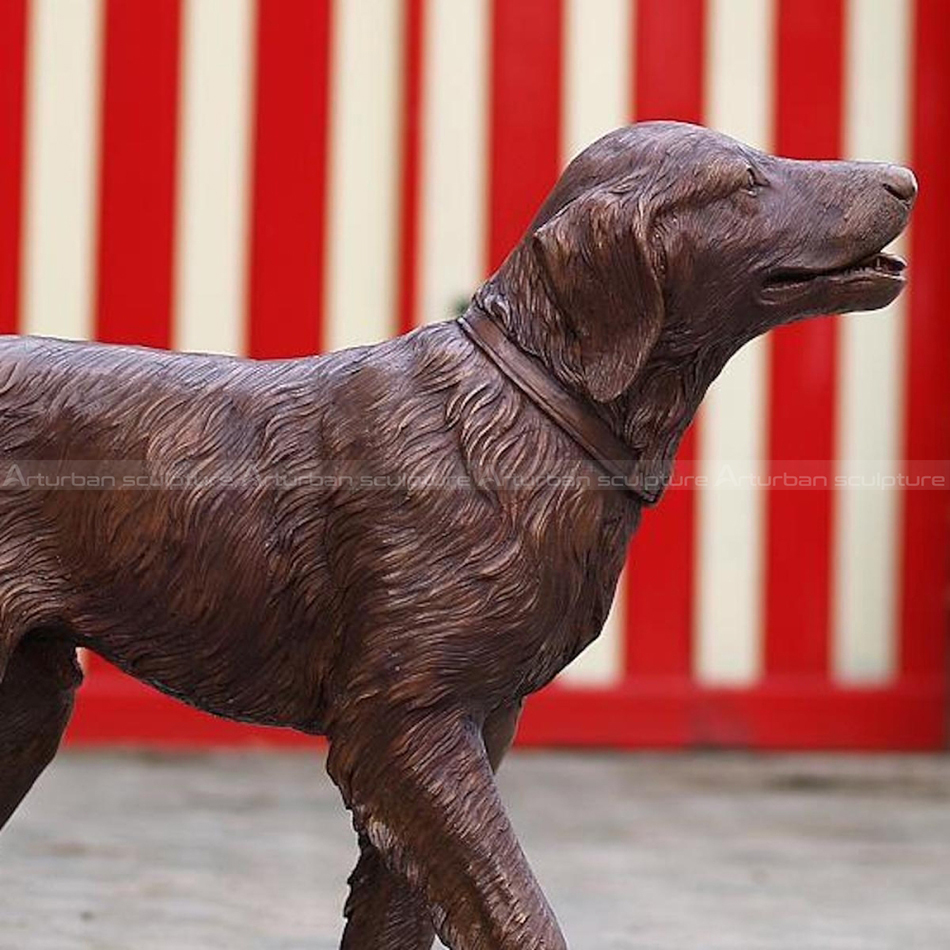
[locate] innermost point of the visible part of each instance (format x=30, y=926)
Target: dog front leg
x=424, y=797
x=382, y=911
x=499, y=730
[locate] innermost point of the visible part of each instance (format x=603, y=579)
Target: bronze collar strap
x=587, y=429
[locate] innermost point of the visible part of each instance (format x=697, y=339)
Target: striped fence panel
x=277, y=177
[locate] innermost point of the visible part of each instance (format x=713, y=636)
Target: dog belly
x=212, y=612
x=232, y=644
x=236, y=675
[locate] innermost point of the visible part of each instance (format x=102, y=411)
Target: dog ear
x=595, y=260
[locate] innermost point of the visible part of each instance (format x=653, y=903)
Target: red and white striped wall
x=275, y=177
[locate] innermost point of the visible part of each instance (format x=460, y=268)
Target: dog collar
x=565, y=409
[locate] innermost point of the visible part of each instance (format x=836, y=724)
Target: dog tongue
x=888, y=263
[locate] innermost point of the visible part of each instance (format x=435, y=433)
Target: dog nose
x=901, y=183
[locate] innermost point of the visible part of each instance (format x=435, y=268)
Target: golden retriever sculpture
x=394, y=545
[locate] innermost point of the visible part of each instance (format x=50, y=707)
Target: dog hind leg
x=36, y=699
x=382, y=911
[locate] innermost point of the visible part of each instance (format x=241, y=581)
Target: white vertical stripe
x=364, y=171
x=602, y=663
x=733, y=427
x=871, y=366
x=213, y=176
x=451, y=261
x=62, y=135
x=597, y=82
x=597, y=70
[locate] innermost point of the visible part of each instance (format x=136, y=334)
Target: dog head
x=666, y=242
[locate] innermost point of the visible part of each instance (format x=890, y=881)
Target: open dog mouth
x=879, y=266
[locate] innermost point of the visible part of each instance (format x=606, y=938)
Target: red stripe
x=137, y=183
x=286, y=279
x=525, y=132
x=669, y=85
x=670, y=37
x=12, y=87
x=414, y=39
x=809, y=94
x=799, y=714
x=926, y=542
x=796, y=713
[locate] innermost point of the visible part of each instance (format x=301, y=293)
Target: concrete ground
x=647, y=852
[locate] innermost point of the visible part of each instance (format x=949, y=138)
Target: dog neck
x=571, y=414
x=649, y=419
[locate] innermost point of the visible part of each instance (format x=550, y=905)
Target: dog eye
x=753, y=181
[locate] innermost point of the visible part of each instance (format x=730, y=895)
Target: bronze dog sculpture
x=444, y=516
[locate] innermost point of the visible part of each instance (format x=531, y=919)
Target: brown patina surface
x=394, y=545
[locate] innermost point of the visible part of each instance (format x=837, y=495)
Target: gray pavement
x=647, y=852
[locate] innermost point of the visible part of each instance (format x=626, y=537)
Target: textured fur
x=406, y=619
